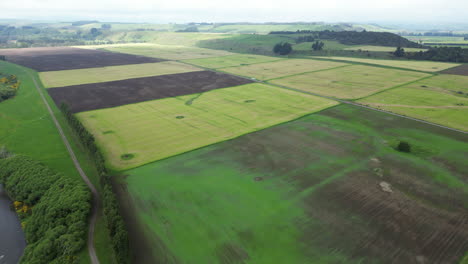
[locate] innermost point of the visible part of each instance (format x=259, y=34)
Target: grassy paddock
x=381, y=49
x=442, y=99
x=231, y=61
x=158, y=129
x=308, y=191
x=351, y=82
x=427, y=66
x=270, y=70
x=112, y=73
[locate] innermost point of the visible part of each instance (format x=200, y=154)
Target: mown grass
x=442, y=99
x=271, y=70
x=427, y=66
x=155, y=130
x=231, y=61
x=349, y=82
x=260, y=197
x=112, y=73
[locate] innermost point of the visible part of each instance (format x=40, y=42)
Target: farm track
x=338, y=100
x=95, y=198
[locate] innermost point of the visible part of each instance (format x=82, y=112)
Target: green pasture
x=382, y=49
x=278, y=69
x=442, y=99
x=279, y=195
x=231, y=61
x=329, y=45
x=427, y=66
x=159, y=129
x=112, y=73
x=350, y=82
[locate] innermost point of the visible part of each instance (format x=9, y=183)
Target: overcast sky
x=422, y=11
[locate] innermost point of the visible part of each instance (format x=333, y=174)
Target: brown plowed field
x=460, y=70
x=64, y=58
x=110, y=94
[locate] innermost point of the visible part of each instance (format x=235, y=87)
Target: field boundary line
x=95, y=195
x=279, y=59
x=307, y=72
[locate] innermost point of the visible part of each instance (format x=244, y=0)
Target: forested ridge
x=53, y=209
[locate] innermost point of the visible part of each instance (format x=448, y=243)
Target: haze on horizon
x=182, y=11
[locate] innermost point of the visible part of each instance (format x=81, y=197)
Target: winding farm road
x=95, y=199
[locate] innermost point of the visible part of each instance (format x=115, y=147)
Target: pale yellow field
x=151, y=130
x=350, y=82
x=112, y=73
x=170, y=52
x=277, y=69
x=382, y=48
x=428, y=66
x=231, y=61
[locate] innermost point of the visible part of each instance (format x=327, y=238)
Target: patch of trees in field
x=9, y=85
x=53, y=209
x=282, y=48
x=446, y=54
x=114, y=220
x=356, y=38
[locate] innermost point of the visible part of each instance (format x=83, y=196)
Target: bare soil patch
x=64, y=58
x=459, y=70
x=111, y=94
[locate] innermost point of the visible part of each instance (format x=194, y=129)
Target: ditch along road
x=332, y=98
x=95, y=198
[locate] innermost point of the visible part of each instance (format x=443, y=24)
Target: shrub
x=404, y=147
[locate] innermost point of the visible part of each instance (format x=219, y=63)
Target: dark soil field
x=110, y=94
x=459, y=70
x=64, y=58
x=327, y=188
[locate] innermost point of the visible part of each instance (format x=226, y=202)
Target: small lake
x=12, y=241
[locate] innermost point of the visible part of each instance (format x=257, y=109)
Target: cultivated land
x=382, y=49
x=460, y=70
x=93, y=96
x=169, y=52
x=231, y=61
x=158, y=129
x=112, y=73
x=442, y=99
x=427, y=66
x=278, y=69
x=326, y=188
x=350, y=82
x=57, y=59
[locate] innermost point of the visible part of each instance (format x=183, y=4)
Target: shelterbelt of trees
x=53, y=209
x=447, y=54
x=356, y=37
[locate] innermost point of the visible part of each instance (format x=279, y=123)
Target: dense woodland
x=354, y=37
x=53, y=209
x=448, y=54
x=9, y=85
x=114, y=220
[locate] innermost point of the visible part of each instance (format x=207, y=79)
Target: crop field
x=112, y=73
x=169, y=52
x=350, y=82
x=57, y=59
x=460, y=70
x=93, y=96
x=158, y=129
x=231, y=61
x=427, y=66
x=278, y=69
x=382, y=49
x=442, y=99
x=326, y=188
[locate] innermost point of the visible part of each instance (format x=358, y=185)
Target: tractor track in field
x=95, y=195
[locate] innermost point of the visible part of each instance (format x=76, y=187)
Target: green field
x=231, y=61
x=427, y=66
x=307, y=191
x=382, y=49
x=350, y=82
x=329, y=45
x=169, y=52
x=442, y=99
x=278, y=69
x=112, y=73
x=158, y=129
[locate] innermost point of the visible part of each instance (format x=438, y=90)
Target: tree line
x=446, y=54
x=356, y=37
x=114, y=220
x=53, y=209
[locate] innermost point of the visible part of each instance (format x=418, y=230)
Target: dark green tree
x=404, y=147
x=282, y=48
x=318, y=45
x=399, y=52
